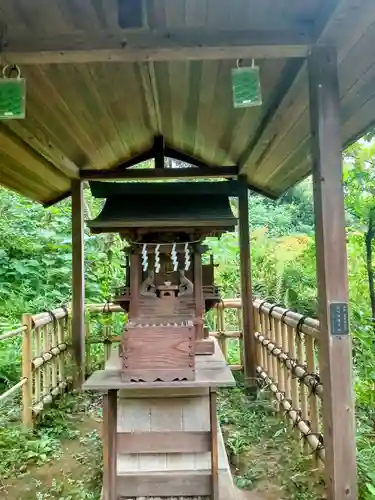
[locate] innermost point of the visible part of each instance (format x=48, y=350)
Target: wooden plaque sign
x=339, y=318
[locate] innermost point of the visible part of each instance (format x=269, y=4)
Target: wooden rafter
x=135, y=160
x=157, y=45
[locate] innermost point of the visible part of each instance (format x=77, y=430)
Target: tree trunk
x=370, y=271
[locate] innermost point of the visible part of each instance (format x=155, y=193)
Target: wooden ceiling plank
x=291, y=119
x=361, y=122
x=186, y=44
x=52, y=201
x=44, y=146
x=148, y=95
x=284, y=108
x=33, y=163
x=102, y=121
x=16, y=184
x=123, y=92
x=79, y=99
x=297, y=174
x=25, y=179
x=287, y=146
x=52, y=108
x=290, y=162
x=266, y=152
x=164, y=173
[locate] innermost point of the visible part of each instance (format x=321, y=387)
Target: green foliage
x=35, y=258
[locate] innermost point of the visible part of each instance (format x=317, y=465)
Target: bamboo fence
x=44, y=344
x=287, y=358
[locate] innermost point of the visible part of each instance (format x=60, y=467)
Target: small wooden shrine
x=167, y=288
x=160, y=432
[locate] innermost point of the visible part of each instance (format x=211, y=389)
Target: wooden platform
x=163, y=433
x=211, y=371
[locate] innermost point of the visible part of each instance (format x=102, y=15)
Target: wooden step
x=164, y=484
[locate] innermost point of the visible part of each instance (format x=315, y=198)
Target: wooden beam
x=335, y=340
x=78, y=285
x=160, y=45
x=160, y=173
x=135, y=160
x=159, y=152
x=175, y=154
x=249, y=342
x=221, y=188
x=110, y=446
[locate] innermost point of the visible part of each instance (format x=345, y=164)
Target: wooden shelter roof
x=103, y=81
x=152, y=211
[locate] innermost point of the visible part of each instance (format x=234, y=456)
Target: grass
x=60, y=460
x=263, y=451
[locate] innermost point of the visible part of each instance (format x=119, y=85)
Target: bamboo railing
x=44, y=347
x=288, y=365
x=287, y=358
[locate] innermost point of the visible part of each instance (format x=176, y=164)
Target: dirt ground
x=63, y=478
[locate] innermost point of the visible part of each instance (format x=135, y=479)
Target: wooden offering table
x=161, y=439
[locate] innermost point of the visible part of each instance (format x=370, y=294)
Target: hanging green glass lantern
x=246, y=86
x=12, y=94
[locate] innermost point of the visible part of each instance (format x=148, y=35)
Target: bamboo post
x=280, y=367
x=286, y=348
x=61, y=356
x=38, y=378
x=292, y=354
x=267, y=356
x=302, y=401
x=272, y=337
x=55, y=359
x=27, y=389
x=222, y=338
x=46, y=367
x=311, y=368
x=240, y=340
x=107, y=344
x=300, y=339
x=260, y=350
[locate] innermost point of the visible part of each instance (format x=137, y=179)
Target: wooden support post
x=159, y=152
x=27, y=389
x=78, y=286
x=249, y=342
x=214, y=447
x=198, y=293
x=335, y=342
x=109, y=445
